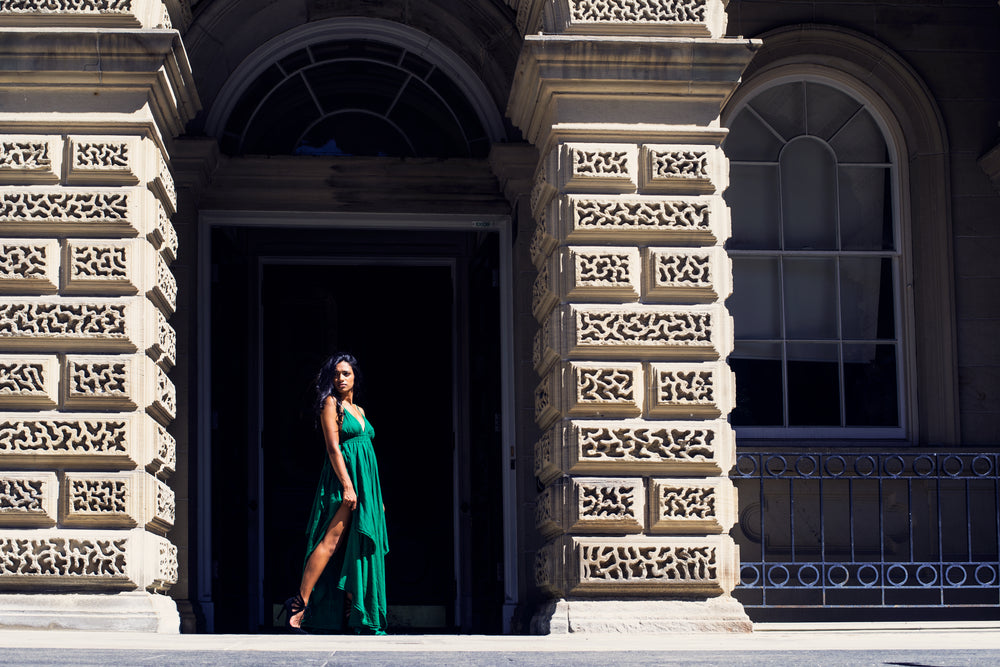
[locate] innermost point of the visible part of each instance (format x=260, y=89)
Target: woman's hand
x=350, y=498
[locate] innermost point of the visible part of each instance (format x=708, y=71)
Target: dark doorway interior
x=419, y=310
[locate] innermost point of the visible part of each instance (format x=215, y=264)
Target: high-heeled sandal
x=294, y=605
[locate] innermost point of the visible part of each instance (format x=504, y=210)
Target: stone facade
x=87, y=242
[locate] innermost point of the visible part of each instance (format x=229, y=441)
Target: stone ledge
x=122, y=612
x=722, y=614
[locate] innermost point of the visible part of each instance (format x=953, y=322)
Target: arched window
x=816, y=252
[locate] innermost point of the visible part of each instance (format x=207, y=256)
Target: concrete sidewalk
x=967, y=643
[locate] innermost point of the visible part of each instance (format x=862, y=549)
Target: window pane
x=865, y=209
x=813, y=385
x=759, y=400
x=810, y=298
x=870, y=385
x=754, y=303
x=861, y=140
x=753, y=199
x=808, y=195
x=866, y=298
x=827, y=109
x=749, y=139
x=783, y=108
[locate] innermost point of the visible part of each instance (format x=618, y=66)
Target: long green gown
x=357, y=567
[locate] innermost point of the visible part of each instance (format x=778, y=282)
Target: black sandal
x=294, y=605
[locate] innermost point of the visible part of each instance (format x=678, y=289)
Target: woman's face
x=343, y=378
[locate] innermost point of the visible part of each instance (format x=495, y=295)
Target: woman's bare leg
x=321, y=556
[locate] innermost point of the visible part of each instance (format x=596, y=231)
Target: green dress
x=357, y=567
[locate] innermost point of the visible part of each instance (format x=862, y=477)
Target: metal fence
x=858, y=528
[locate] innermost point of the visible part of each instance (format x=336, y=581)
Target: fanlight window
x=815, y=263
x=354, y=97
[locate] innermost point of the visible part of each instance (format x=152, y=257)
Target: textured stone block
x=686, y=506
x=591, y=505
x=677, y=18
x=644, y=447
x=102, y=267
x=690, y=390
x=547, y=401
x=650, y=332
x=77, y=13
x=593, y=167
x=543, y=293
x=683, y=169
x=543, y=240
x=68, y=559
x=117, y=382
x=89, y=441
x=682, y=275
x=600, y=273
x=29, y=381
x=547, y=461
x=103, y=160
x=641, y=220
x=128, y=499
x=46, y=211
x=29, y=266
x=603, y=389
x=638, y=566
x=30, y=158
x=544, y=347
x=28, y=498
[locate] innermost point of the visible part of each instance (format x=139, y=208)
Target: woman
x=343, y=581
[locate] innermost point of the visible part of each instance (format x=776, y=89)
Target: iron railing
x=859, y=528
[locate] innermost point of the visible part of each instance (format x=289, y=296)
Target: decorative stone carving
x=546, y=577
x=104, y=267
x=646, y=447
x=691, y=505
x=121, y=382
x=29, y=266
x=684, y=169
x=601, y=273
x=28, y=499
x=542, y=192
x=70, y=211
x=28, y=381
x=679, y=332
x=30, y=158
x=86, y=440
x=543, y=353
x=133, y=498
x=546, y=465
x=606, y=389
x=163, y=236
x=690, y=220
x=543, y=298
x=546, y=402
x=641, y=566
x=75, y=13
x=164, y=349
x=681, y=275
x=164, y=290
x=690, y=390
x=542, y=242
x=162, y=184
x=105, y=559
x=102, y=160
x=590, y=505
x=667, y=18
x=593, y=167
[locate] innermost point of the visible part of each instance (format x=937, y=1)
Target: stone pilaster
x=91, y=96
x=622, y=100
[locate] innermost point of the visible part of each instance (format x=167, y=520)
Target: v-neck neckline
x=361, y=422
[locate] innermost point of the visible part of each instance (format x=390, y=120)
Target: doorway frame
x=208, y=220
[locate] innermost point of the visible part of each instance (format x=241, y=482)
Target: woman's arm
x=331, y=434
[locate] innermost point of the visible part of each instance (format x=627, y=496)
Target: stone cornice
x=44, y=71
x=588, y=73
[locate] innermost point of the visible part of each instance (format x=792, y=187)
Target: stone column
x=91, y=95
x=622, y=100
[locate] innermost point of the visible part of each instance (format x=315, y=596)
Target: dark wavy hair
x=324, y=383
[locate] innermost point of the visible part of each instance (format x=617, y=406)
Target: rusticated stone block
x=45, y=211
x=91, y=559
x=544, y=346
x=543, y=240
x=686, y=506
x=121, y=382
x=89, y=441
x=543, y=295
x=677, y=18
x=651, y=332
x=683, y=169
x=546, y=461
x=103, y=160
x=591, y=505
x=644, y=447
x=29, y=266
x=28, y=498
x=593, y=167
x=103, y=267
x=129, y=499
x=640, y=566
x=29, y=381
x=603, y=390
x=547, y=401
x=679, y=220
x=91, y=13
x=30, y=158
x=600, y=273
x=124, y=324
x=686, y=390
x=678, y=275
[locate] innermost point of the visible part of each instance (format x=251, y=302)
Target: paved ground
x=899, y=644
